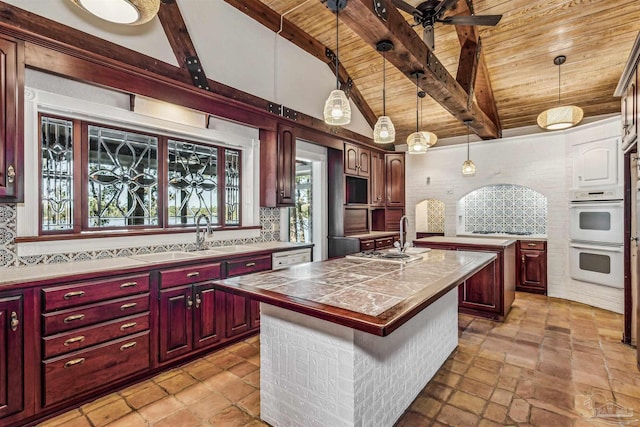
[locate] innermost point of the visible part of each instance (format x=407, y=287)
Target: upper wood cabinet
x=11, y=119
x=277, y=167
x=394, y=171
x=356, y=160
x=11, y=361
x=376, y=181
x=629, y=113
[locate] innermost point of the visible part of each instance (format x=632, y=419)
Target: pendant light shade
x=129, y=12
x=384, y=132
x=468, y=167
x=561, y=117
x=337, y=110
x=416, y=142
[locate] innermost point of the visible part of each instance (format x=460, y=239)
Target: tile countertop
x=369, y=295
x=480, y=241
x=537, y=237
x=43, y=272
x=373, y=234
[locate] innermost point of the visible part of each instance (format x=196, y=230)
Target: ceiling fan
x=429, y=12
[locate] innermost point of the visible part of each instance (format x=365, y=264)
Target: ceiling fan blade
x=429, y=38
x=405, y=7
x=487, y=20
x=443, y=6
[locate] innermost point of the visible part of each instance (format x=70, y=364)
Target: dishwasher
x=286, y=259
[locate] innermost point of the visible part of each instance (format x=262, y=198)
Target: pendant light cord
x=337, y=69
x=384, y=83
x=559, y=83
x=417, y=98
x=468, y=141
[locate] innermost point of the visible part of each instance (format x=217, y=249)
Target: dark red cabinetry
x=12, y=392
x=357, y=160
x=531, y=267
x=277, y=166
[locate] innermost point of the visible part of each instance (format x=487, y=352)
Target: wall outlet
x=449, y=190
x=275, y=226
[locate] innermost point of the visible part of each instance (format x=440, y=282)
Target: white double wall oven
x=596, y=214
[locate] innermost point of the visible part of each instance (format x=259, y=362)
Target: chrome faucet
x=403, y=245
x=200, y=239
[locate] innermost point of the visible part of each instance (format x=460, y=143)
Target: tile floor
x=549, y=364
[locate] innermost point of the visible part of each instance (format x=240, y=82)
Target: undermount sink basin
x=226, y=249
x=412, y=250
x=164, y=256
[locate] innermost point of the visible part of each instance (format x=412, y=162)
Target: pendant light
x=468, y=167
x=384, y=132
x=416, y=142
x=337, y=110
x=129, y=12
x=561, y=117
x=430, y=137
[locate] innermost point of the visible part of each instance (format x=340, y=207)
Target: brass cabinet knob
x=11, y=174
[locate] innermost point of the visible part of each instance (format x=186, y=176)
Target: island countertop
x=479, y=241
x=369, y=295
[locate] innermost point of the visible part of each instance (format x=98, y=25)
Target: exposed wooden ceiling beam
x=468, y=68
x=57, y=48
x=481, y=88
x=411, y=54
x=260, y=12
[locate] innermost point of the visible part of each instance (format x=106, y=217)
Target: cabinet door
x=208, y=315
x=480, y=292
x=11, y=356
x=630, y=111
x=377, y=179
x=255, y=314
x=533, y=269
x=11, y=128
x=176, y=320
x=394, y=166
x=351, y=159
x=286, y=170
x=364, y=160
x=596, y=163
x=238, y=314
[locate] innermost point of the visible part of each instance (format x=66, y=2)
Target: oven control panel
x=608, y=194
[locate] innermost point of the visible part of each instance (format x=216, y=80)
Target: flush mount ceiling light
x=337, y=110
x=384, y=132
x=416, y=142
x=129, y=12
x=468, y=167
x=563, y=116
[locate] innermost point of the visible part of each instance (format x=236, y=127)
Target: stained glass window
x=57, y=174
x=232, y=187
x=123, y=178
x=193, y=182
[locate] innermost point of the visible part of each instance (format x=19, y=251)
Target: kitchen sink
x=411, y=251
x=164, y=256
x=227, y=249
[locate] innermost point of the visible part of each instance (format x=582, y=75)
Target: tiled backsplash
x=9, y=254
x=435, y=212
x=505, y=208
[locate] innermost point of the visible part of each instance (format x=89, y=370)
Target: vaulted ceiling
x=595, y=35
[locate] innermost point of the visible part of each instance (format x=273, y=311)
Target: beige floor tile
x=194, y=393
x=183, y=418
x=64, y=419
x=134, y=419
x=176, y=383
x=251, y=404
x=108, y=413
x=140, y=397
x=230, y=417
x=161, y=409
x=210, y=406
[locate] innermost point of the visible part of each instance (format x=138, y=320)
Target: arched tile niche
x=430, y=216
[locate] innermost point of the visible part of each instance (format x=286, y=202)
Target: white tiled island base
x=317, y=373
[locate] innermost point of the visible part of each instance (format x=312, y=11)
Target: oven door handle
x=601, y=205
x=598, y=248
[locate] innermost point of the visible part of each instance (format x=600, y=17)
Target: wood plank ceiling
x=595, y=35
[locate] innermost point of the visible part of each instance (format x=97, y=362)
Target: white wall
x=542, y=162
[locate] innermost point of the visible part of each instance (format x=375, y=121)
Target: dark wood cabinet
x=176, y=322
x=254, y=315
x=531, y=267
x=277, y=167
x=491, y=291
x=357, y=160
x=238, y=310
x=377, y=180
x=12, y=392
x=378, y=241
x=629, y=106
x=394, y=179
x=11, y=119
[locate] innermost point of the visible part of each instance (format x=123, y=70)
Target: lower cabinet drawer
x=188, y=275
x=248, y=265
x=66, y=320
x=82, y=371
x=384, y=243
x=79, y=339
x=367, y=245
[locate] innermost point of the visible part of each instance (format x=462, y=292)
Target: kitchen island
x=491, y=291
x=351, y=342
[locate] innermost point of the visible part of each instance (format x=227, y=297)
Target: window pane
x=123, y=178
x=57, y=174
x=300, y=220
x=232, y=187
x=193, y=182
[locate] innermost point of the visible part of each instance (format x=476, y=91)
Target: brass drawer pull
x=128, y=285
x=128, y=325
x=70, y=295
x=193, y=274
x=70, y=363
x=250, y=264
x=14, y=321
x=126, y=306
x=11, y=174
x=73, y=318
x=74, y=340
x=531, y=244
x=128, y=346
